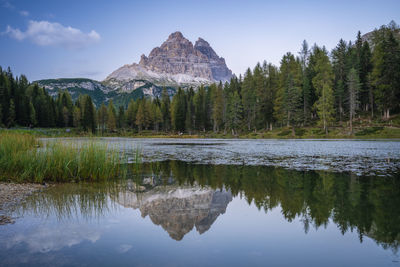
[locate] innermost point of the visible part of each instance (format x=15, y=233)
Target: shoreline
x=13, y=194
x=361, y=132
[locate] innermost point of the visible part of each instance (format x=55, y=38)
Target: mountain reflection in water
x=178, y=210
x=182, y=197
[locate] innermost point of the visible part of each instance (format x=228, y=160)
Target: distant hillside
x=369, y=36
x=102, y=92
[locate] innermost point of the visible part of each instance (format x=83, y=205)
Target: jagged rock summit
x=177, y=62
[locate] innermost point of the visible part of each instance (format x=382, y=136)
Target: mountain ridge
x=175, y=63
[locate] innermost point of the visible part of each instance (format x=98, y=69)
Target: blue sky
x=54, y=39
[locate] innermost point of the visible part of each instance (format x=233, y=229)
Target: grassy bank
x=367, y=132
x=24, y=158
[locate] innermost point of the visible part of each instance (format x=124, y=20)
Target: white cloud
x=24, y=13
x=46, y=33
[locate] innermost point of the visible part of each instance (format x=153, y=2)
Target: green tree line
x=315, y=87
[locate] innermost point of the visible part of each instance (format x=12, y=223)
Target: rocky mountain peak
x=201, y=42
x=204, y=47
x=175, y=35
x=177, y=62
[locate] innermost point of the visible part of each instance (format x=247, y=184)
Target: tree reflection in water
x=181, y=196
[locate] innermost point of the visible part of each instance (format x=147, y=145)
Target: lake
x=220, y=202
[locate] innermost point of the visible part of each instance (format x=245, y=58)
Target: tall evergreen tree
x=131, y=113
x=102, y=117
x=339, y=60
x=272, y=84
x=354, y=88
x=199, y=100
x=365, y=69
x=32, y=115
x=166, y=110
x=1, y=116
x=11, y=114
x=305, y=86
x=111, y=117
x=288, y=105
x=234, y=110
x=77, y=117
x=157, y=117
x=178, y=111
x=218, y=108
x=386, y=70
x=89, y=120
x=323, y=84
x=249, y=100
x=189, y=120
x=141, y=116
x=121, y=117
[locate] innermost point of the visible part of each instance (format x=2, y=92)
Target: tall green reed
x=21, y=159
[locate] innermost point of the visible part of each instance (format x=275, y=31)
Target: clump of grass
x=21, y=159
x=299, y=131
x=284, y=133
x=369, y=131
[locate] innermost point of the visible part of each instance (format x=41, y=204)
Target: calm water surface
x=182, y=213
x=362, y=157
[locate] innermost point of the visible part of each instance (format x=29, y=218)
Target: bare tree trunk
x=340, y=110
x=351, y=122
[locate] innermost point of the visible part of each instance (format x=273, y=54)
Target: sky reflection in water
x=179, y=214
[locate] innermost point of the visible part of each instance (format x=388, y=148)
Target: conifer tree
x=32, y=115
x=234, y=110
x=272, y=82
x=189, y=111
x=199, y=100
x=140, y=116
x=386, y=70
x=305, y=86
x=218, y=108
x=288, y=105
x=89, y=120
x=178, y=111
x=1, y=116
x=157, y=117
x=111, y=117
x=354, y=88
x=131, y=113
x=261, y=96
x=76, y=117
x=166, y=110
x=11, y=114
x=365, y=70
x=339, y=60
x=121, y=117
x=102, y=117
x=248, y=100
x=323, y=84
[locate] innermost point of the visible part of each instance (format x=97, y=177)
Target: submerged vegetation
x=24, y=158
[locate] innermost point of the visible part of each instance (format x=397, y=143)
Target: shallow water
x=362, y=157
x=176, y=213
